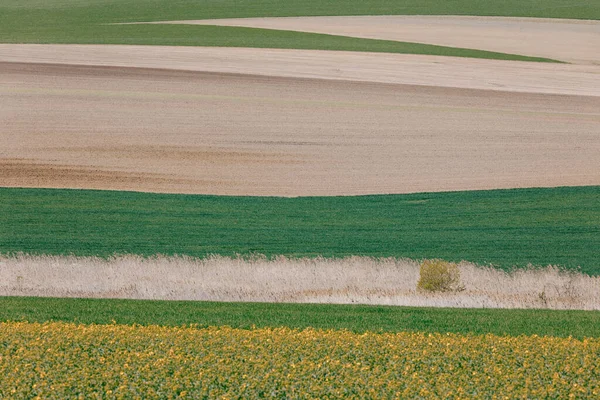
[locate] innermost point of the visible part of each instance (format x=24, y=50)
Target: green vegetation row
x=505, y=228
x=89, y=22
x=355, y=318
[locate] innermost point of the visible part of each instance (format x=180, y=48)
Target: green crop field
x=70, y=21
x=356, y=318
x=505, y=228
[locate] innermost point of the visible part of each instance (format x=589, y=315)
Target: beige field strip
x=65, y=126
x=352, y=280
x=573, y=41
x=407, y=69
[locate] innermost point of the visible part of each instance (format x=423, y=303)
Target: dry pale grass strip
x=350, y=280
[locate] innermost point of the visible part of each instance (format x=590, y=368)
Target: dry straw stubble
x=362, y=280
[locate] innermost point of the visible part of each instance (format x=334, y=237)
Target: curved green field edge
x=356, y=318
x=89, y=22
x=504, y=228
x=224, y=36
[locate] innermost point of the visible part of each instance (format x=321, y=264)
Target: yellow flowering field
x=65, y=360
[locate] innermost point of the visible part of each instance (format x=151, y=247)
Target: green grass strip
x=88, y=11
x=357, y=318
x=559, y=226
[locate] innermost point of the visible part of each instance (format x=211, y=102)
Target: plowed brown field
x=167, y=130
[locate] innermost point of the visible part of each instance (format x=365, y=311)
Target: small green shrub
x=439, y=276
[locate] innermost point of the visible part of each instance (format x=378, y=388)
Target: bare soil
x=406, y=69
x=240, y=134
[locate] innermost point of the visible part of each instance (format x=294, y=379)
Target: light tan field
x=405, y=69
x=351, y=280
x=244, y=134
x=573, y=41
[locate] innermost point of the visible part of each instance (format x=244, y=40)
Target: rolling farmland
x=266, y=156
